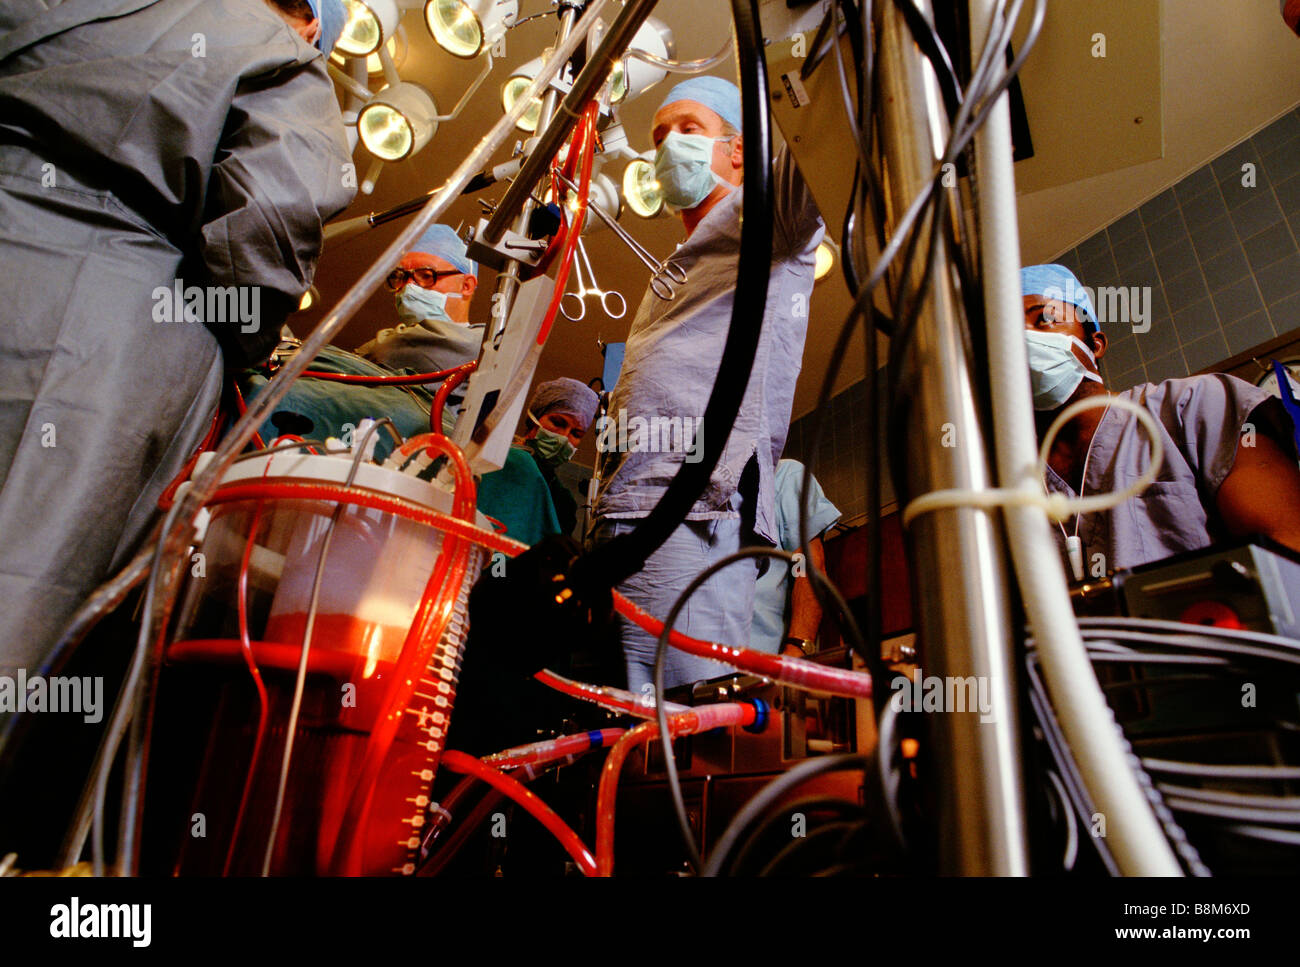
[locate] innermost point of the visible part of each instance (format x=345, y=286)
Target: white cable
x=1058, y=507
x=1134, y=834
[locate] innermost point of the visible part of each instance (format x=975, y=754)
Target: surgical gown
x=146, y=146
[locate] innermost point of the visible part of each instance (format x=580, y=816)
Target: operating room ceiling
x=1228, y=69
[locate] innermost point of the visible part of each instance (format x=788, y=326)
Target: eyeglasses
x=425, y=278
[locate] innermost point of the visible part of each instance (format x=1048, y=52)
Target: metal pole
x=584, y=89
x=508, y=280
x=958, y=556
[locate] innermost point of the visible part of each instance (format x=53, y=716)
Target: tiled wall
x=841, y=463
x=1223, y=264
x=1221, y=258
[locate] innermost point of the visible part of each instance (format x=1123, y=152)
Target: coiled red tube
x=683, y=723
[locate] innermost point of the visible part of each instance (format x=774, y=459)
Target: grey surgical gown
x=141, y=142
x=1202, y=421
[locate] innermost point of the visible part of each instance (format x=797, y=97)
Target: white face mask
x=1055, y=372
x=684, y=168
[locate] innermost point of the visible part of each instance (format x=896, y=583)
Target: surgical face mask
x=1055, y=372
x=684, y=168
x=416, y=303
x=550, y=447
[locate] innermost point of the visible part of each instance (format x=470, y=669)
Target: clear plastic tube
x=779, y=668
x=540, y=753
x=683, y=723
x=529, y=800
x=682, y=66
x=606, y=696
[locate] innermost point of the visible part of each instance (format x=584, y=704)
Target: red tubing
x=394, y=380
x=468, y=765
x=683, y=723
x=242, y=407
x=456, y=377
x=431, y=617
x=294, y=490
x=292, y=438
x=788, y=671
x=584, y=142
x=606, y=696
x=246, y=647
x=168, y=496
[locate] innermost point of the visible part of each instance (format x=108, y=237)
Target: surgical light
x=632, y=77
x=642, y=190
x=465, y=27
x=602, y=193
x=396, y=47
x=825, y=261
x=368, y=25
x=514, y=88
x=398, y=121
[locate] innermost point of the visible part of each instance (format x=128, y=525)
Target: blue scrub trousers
x=719, y=610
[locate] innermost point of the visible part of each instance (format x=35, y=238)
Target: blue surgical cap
x=567, y=396
x=1058, y=282
x=442, y=241
x=719, y=96
x=332, y=19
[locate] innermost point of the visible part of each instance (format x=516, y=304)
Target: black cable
x=806, y=805
x=612, y=563
x=661, y=651
x=928, y=40
x=773, y=791
x=837, y=831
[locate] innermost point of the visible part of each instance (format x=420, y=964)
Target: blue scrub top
x=772, y=592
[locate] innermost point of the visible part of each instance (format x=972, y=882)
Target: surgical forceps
x=609, y=298
x=665, y=275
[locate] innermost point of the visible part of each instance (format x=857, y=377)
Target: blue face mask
x=1055, y=372
x=684, y=168
x=416, y=304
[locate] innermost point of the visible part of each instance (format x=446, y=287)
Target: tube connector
x=761, y=712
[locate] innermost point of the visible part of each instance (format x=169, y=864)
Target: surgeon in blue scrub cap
x=433, y=287
x=671, y=362
x=699, y=152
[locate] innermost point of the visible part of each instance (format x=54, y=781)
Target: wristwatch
x=806, y=645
